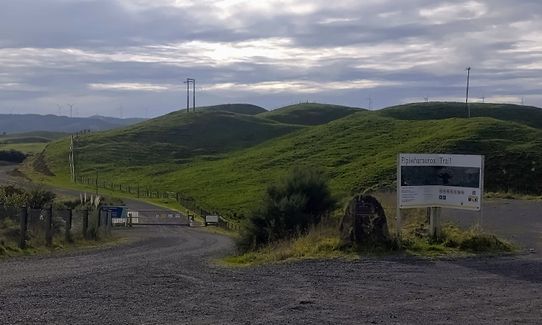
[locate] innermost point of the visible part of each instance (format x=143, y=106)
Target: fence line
x=153, y=193
x=36, y=227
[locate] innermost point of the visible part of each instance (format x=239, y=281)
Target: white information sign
x=211, y=219
x=439, y=180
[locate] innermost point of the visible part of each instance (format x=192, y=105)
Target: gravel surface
x=168, y=276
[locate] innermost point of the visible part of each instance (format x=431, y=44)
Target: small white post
x=434, y=224
x=482, y=189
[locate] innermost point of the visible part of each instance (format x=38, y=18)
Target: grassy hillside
x=225, y=160
x=19, y=123
x=36, y=136
x=309, y=113
x=246, y=109
x=528, y=115
x=360, y=152
x=30, y=142
x=176, y=138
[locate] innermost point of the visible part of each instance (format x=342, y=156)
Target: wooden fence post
x=24, y=227
x=67, y=235
x=85, y=223
x=99, y=224
x=99, y=212
x=49, y=233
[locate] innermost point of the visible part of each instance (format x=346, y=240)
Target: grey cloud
x=108, y=27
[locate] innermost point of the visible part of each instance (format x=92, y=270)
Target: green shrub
x=289, y=208
x=36, y=198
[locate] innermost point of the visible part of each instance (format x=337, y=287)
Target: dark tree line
x=12, y=156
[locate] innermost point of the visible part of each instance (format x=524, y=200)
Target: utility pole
x=71, y=157
x=467, y=96
x=193, y=95
x=71, y=110
x=188, y=82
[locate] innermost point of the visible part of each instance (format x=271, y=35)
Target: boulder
x=364, y=223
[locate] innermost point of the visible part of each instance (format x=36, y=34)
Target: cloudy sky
x=130, y=57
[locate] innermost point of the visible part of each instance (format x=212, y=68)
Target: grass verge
x=323, y=242
x=453, y=241
x=10, y=249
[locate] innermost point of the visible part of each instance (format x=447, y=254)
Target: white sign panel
x=211, y=219
x=434, y=180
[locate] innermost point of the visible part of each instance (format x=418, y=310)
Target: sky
x=129, y=58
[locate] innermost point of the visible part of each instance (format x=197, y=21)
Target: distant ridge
x=21, y=123
x=247, y=109
x=528, y=115
x=310, y=113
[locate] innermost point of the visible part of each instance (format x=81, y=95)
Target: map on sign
x=433, y=180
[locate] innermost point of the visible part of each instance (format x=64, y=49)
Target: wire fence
x=186, y=201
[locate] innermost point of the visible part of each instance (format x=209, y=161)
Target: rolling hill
x=224, y=160
x=247, y=109
x=20, y=123
x=29, y=142
x=528, y=115
x=176, y=138
x=309, y=113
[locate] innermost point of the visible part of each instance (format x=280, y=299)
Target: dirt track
x=166, y=276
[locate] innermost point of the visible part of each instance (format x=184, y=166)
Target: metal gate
x=156, y=218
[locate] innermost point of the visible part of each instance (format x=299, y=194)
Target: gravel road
x=167, y=275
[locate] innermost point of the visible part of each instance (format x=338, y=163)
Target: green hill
x=224, y=160
x=527, y=115
x=32, y=137
x=19, y=123
x=310, y=113
x=360, y=153
x=246, y=109
x=29, y=142
x=176, y=138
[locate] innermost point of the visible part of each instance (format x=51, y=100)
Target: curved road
x=167, y=275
